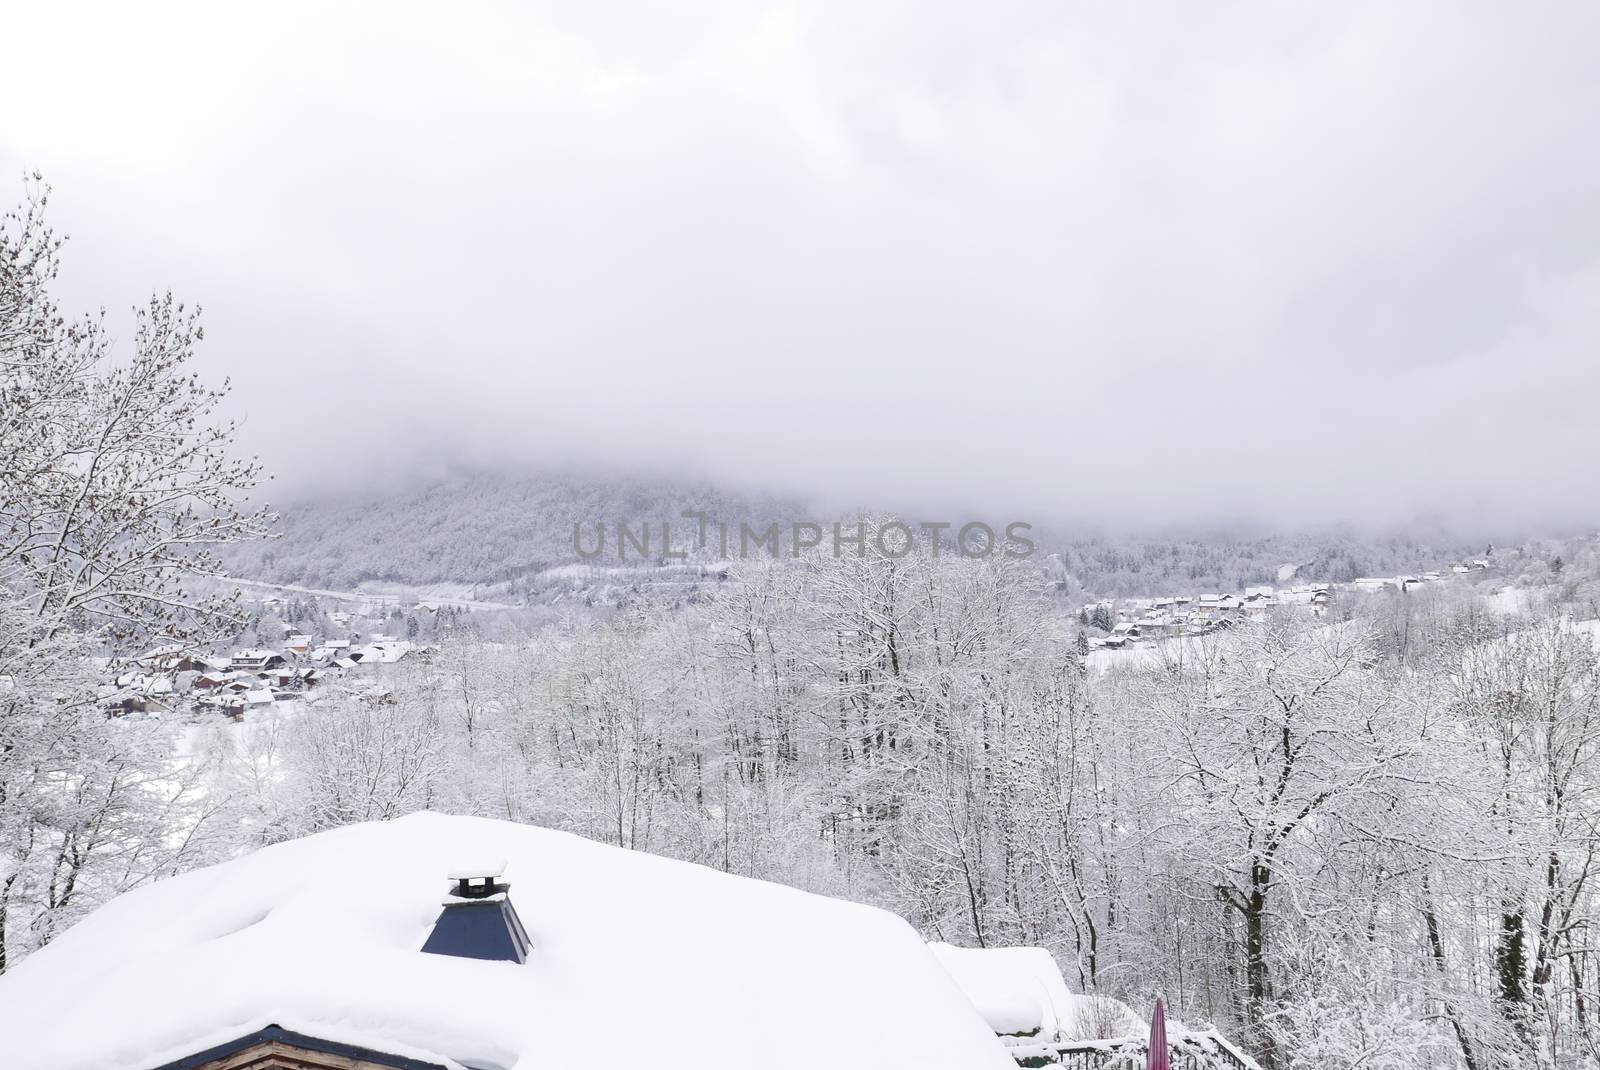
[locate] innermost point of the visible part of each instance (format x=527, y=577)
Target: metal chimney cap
x=478, y=869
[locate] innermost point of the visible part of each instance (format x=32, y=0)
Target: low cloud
x=1289, y=264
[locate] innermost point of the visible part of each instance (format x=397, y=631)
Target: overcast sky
x=1151, y=263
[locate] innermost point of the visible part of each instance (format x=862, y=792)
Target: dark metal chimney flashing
x=478, y=920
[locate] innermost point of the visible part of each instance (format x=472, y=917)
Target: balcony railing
x=1187, y=1050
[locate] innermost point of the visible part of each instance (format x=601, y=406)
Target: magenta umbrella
x=1156, y=1057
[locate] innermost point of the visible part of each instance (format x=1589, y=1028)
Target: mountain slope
x=497, y=533
x=485, y=529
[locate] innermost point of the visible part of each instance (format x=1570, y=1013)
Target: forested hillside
x=479, y=529
x=501, y=530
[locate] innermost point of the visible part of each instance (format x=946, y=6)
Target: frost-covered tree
x=1267, y=739
x=115, y=482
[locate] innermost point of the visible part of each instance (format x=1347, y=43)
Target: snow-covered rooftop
x=1020, y=989
x=634, y=958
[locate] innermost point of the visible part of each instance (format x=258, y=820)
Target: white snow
x=478, y=869
x=635, y=958
x=1018, y=989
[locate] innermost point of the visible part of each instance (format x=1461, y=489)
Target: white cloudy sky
x=1153, y=262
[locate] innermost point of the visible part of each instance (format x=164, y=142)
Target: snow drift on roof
x=1018, y=989
x=635, y=958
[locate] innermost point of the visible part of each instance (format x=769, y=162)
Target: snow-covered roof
x=388, y=652
x=632, y=956
x=1018, y=989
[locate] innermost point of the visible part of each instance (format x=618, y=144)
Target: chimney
x=477, y=887
x=478, y=920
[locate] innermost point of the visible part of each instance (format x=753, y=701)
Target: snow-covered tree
x=115, y=482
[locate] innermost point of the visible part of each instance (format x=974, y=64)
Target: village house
x=1158, y=626
x=257, y=660
x=208, y=681
x=1260, y=607
x=1216, y=607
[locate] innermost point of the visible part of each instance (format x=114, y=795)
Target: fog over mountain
x=511, y=537
x=1297, y=265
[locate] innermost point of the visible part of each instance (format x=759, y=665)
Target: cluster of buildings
x=176, y=679
x=1144, y=619
x=1406, y=583
x=1134, y=620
